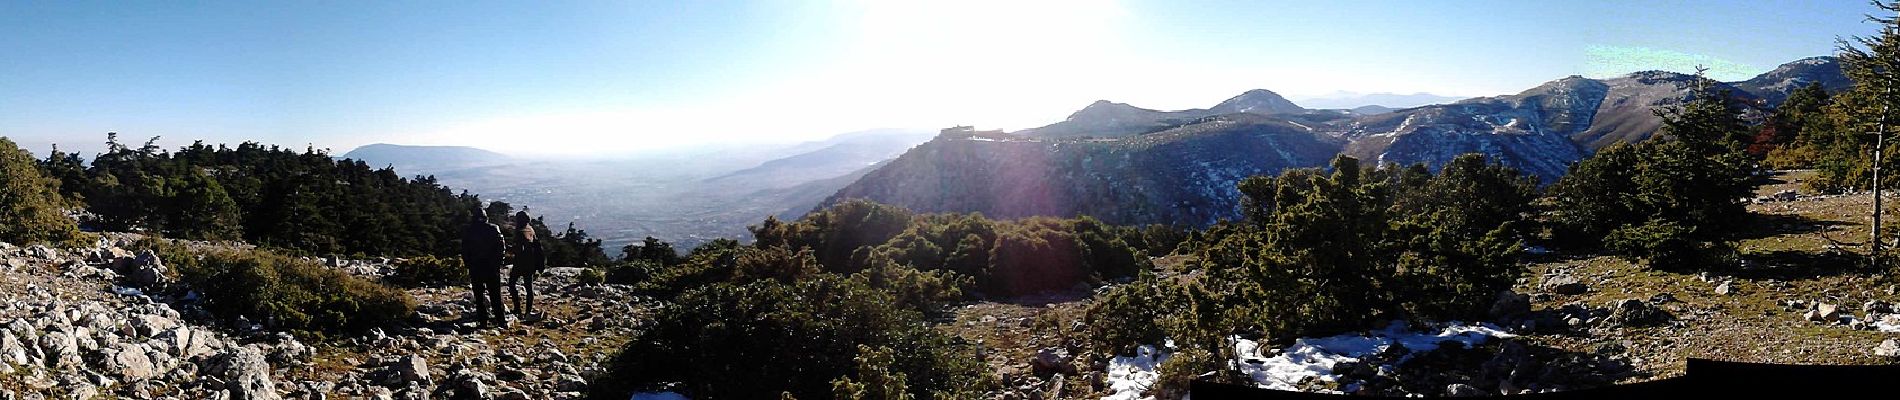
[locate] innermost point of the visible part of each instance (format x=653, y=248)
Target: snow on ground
x=1313, y=358
x=1889, y=323
x=127, y=291
x=658, y=396
x=1129, y=376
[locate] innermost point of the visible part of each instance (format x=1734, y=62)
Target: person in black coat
x=482, y=251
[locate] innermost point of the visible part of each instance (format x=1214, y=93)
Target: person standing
x=482, y=248
x=529, y=259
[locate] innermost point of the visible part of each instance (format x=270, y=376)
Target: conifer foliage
x=1672, y=201
x=1837, y=135
x=265, y=195
x=31, y=208
x=1324, y=252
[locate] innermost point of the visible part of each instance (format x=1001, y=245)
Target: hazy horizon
x=611, y=78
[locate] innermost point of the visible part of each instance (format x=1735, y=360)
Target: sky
x=561, y=78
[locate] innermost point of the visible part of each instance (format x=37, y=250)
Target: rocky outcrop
x=1774, y=86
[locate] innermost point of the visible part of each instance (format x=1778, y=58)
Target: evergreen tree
x=31, y=209
x=1672, y=201
x=304, y=200
x=651, y=249
x=1856, y=116
x=1796, y=131
x=201, y=209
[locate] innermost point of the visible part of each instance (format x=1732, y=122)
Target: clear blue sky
x=596, y=77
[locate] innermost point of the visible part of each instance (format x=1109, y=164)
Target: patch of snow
x=658, y=396
x=127, y=291
x=1313, y=358
x=1889, y=323
x=1129, y=376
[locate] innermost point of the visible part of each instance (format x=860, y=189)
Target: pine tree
x=31, y=209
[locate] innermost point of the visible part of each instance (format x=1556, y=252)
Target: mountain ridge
x=1109, y=149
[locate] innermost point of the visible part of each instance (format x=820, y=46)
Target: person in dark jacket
x=529, y=259
x=482, y=251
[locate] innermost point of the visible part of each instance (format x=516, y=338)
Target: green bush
x=429, y=271
x=592, y=276
x=287, y=294
x=930, y=292
x=1000, y=258
x=1179, y=371
x=1667, y=245
x=761, y=339
x=1670, y=201
x=875, y=379
x=1326, y=252
x=1125, y=317
x=31, y=208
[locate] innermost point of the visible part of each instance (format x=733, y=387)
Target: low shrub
x=1125, y=317
x=429, y=271
x=299, y=296
x=592, y=276
x=767, y=338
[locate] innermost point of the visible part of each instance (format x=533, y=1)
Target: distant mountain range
x=1352, y=100
x=685, y=197
x=1109, y=119
x=1131, y=165
x=408, y=158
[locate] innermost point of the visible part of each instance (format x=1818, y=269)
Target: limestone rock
x=1565, y=284
x=1888, y=348
x=1510, y=305
x=130, y=363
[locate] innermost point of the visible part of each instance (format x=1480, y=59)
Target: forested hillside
x=271, y=196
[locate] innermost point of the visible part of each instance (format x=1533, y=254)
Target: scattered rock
x=1463, y=390
x=143, y=271
x=1876, y=307
x=1786, y=195
x=1635, y=313
x=246, y=374
x=61, y=350
x=1565, y=284
x=410, y=368
x=1726, y=288
x=1051, y=361
x=1888, y=348
x=130, y=363
x=1510, y=305
x=570, y=383
x=1823, y=313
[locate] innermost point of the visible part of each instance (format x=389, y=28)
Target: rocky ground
x=76, y=327
x=1800, y=295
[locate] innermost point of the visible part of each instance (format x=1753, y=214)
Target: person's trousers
x=488, y=290
x=526, y=284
